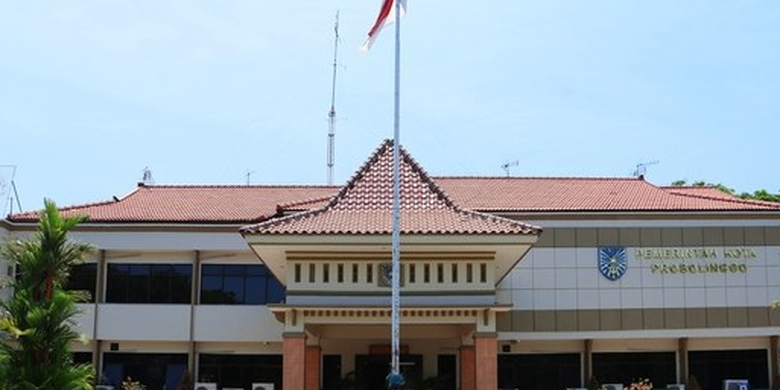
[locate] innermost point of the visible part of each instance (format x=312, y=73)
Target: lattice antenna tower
x=10, y=187
x=332, y=113
x=507, y=165
x=641, y=169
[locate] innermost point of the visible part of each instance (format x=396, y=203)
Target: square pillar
x=312, y=369
x=294, y=361
x=486, y=351
x=468, y=363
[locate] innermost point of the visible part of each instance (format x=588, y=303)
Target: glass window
x=539, y=371
x=149, y=283
x=239, y=284
x=240, y=371
x=625, y=367
x=711, y=368
x=83, y=278
x=155, y=370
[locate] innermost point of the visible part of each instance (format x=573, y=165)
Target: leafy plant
x=38, y=320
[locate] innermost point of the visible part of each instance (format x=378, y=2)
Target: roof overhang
x=273, y=249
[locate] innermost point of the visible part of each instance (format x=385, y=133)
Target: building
x=531, y=283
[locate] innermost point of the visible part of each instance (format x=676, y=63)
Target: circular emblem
x=612, y=261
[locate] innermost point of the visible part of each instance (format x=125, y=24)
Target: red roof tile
x=194, y=204
x=364, y=205
x=251, y=204
x=518, y=194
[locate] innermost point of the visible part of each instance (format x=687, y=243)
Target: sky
x=204, y=92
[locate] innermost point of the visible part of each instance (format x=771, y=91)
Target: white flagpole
x=396, y=236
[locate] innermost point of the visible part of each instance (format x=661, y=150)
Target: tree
x=763, y=195
x=38, y=320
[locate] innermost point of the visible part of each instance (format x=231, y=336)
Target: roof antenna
x=248, y=175
x=641, y=169
x=12, y=192
x=332, y=112
x=505, y=166
x=147, y=177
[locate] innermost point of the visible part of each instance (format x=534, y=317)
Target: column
x=293, y=361
x=682, y=355
x=773, y=360
x=312, y=367
x=486, y=353
x=467, y=368
x=587, y=361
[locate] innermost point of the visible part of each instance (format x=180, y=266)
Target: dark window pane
x=255, y=290
x=212, y=269
x=235, y=269
x=276, y=291
x=83, y=278
x=234, y=287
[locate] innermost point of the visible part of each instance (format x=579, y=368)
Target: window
x=326, y=273
x=240, y=371
x=539, y=371
x=369, y=273
x=412, y=275
x=483, y=273
x=354, y=273
x=155, y=370
x=83, y=277
x=340, y=273
x=297, y=273
x=469, y=273
x=440, y=273
x=312, y=273
x=711, y=368
x=426, y=273
x=454, y=273
x=625, y=367
x=239, y=284
x=149, y=283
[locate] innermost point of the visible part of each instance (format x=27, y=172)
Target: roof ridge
x=283, y=206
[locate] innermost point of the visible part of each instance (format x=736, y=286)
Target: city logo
x=612, y=261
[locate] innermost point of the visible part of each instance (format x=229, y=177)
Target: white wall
x=161, y=322
x=236, y=323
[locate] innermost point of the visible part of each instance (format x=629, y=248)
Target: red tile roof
x=494, y=194
x=194, y=204
x=251, y=204
x=364, y=204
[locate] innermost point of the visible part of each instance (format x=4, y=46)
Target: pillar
x=294, y=361
x=682, y=356
x=312, y=368
x=486, y=354
x=587, y=361
x=773, y=360
x=467, y=368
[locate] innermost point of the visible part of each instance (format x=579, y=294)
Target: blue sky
x=201, y=92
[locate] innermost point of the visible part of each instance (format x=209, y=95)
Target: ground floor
x=338, y=362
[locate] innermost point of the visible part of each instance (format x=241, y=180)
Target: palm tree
x=38, y=320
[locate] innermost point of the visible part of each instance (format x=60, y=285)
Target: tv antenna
x=147, y=179
x=248, y=176
x=507, y=165
x=12, y=192
x=332, y=113
x=641, y=169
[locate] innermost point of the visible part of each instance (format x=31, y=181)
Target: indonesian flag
x=386, y=16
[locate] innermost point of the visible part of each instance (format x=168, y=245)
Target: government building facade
x=507, y=283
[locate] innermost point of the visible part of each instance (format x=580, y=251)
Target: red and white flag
x=386, y=16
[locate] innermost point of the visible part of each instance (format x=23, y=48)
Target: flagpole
x=395, y=379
